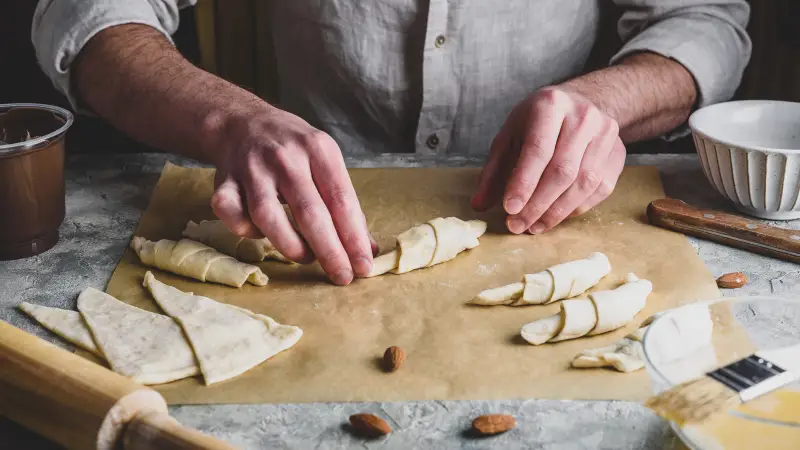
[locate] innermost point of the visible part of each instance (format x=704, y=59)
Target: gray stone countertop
x=105, y=198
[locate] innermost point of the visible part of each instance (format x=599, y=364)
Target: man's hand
x=132, y=76
x=276, y=155
x=556, y=155
x=560, y=151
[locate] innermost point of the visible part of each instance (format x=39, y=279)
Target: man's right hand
x=135, y=78
x=273, y=155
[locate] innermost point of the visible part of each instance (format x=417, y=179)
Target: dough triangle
x=147, y=347
x=227, y=340
x=65, y=323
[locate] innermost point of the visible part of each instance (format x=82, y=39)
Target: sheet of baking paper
x=453, y=351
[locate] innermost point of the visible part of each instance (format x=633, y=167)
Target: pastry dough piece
x=148, y=347
x=65, y=323
x=227, y=340
x=416, y=247
x=625, y=355
x=542, y=330
x=601, y=312
x=503, y=295
x=427, y=244
x=555, y=283
x=195, y=260
x=216, y=235
x=578, y=318
x=616, y=308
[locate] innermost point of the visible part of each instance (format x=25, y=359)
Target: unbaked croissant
x=195, y=260
x=555, y=283
x=426, y=244
x=600, y=312
x=215, y=234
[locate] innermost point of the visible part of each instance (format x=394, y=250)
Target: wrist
x=602, y=93
x=223, y=122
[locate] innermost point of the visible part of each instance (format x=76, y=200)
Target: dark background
x=773, y=73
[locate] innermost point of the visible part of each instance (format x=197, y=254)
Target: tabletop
x=106, y=195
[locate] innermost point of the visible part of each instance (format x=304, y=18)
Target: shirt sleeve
x=61, y=28
x=707, y=37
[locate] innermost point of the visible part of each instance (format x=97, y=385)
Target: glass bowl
x=686, y=342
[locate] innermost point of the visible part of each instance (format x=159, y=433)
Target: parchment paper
x=454, y=351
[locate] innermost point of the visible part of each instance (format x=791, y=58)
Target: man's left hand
x=557, y=155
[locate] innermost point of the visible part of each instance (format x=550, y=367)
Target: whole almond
x=369, y=425
x=393, y=358
x=493, y=424
x=732, y=280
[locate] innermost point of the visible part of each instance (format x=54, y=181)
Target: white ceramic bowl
x=750, y=152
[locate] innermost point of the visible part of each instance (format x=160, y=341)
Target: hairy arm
x=132, y=76
x=646, y=94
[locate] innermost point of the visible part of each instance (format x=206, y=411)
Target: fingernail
x=362, y=266
x=516, y=226
x=537, y=228
x=514, y=205
x=342, y=277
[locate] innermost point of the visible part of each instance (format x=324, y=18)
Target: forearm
x=647, y=94
x=132, y=76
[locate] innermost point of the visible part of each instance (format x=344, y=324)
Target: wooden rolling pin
x=82, y=405
x=725, y=228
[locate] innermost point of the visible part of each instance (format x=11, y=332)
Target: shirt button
x=440, y=41
x=432, y=141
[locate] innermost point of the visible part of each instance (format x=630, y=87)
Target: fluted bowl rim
x=703, y=120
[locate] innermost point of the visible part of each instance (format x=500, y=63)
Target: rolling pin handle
x=159, y=431
x=725, y=228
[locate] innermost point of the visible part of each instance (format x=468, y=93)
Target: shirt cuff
x=61, y=29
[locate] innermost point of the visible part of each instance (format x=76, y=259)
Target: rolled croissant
x=195, y=260
x=215, y=234
x=601, y=312
x=426, y=244
x=555, y=283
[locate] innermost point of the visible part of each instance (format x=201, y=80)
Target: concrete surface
x=105, y=198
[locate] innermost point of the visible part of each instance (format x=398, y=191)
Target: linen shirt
x=432, y=77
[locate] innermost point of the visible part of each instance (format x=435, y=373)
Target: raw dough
x=555, y=283
x=601, y=312
x=148, y=347
x=434, y=242
x=195, y=260
x=227, y=340
x=215, y=234
x=65, y=323
x=624, y=355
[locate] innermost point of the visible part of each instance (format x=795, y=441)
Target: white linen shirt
x=435, y=77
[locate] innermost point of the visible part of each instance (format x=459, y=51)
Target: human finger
x=336, y=190
x=228, y=206
x=606, y=187
x=539, y=140
x=576, y=132
x=268, y=215
x=495, y=171
x=315, y=223
x=590, y=175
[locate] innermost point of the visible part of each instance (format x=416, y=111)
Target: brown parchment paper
x=454, y=351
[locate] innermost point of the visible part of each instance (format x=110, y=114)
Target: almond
x=493, y=424
x=369, y=425
x=393, y=358
x=732, y=280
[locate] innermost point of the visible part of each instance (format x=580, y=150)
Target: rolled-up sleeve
x=61, y=28
x=707, y=37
